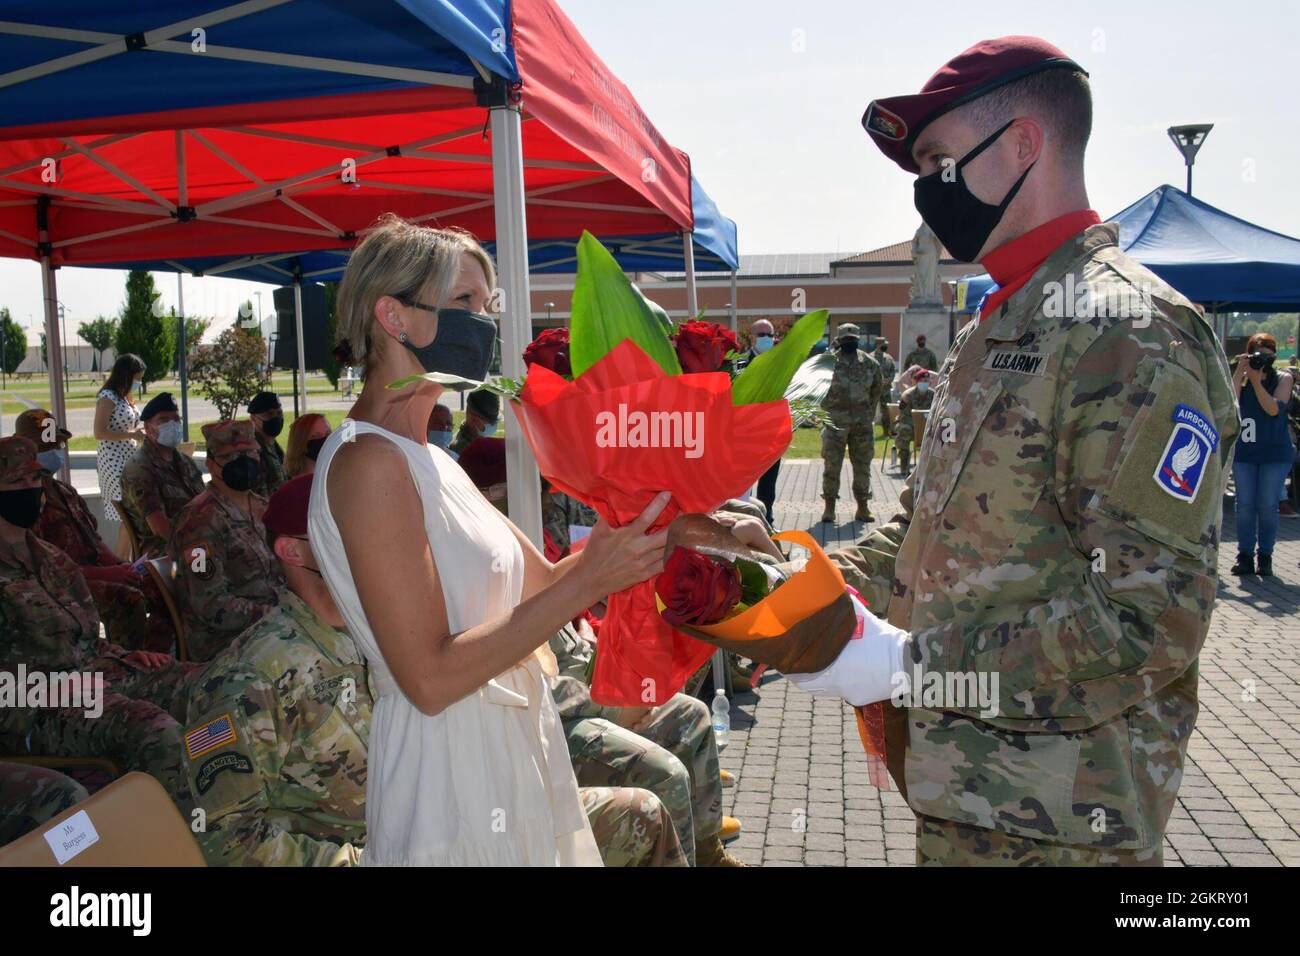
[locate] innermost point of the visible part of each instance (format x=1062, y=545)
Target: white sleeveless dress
x=486, y=782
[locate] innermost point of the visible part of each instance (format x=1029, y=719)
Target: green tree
x=13, y=342
x=331, y=368
x=144, y=329
x=99, y=336
x=225, y=372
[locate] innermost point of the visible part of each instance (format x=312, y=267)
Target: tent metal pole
x=523, y=484
x=54, y=349
x=688, y=252
x=735, y=306
x=182, y=359
x=302, y=346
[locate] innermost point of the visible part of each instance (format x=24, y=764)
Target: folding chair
x=892, y=409
x=131, y=536
x=131, y=822
x=163, y=573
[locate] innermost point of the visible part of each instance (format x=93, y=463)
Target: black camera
x=1260, y=360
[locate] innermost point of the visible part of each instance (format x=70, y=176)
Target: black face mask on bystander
x=22, y=506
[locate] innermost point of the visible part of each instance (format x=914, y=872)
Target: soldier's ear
x=288, y=551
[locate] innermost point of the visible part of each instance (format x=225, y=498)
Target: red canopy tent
x=546, y=142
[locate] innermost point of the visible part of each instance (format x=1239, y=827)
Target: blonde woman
x=306, y=437
x=450, y=603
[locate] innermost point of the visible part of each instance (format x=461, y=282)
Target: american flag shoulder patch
x=215, y=733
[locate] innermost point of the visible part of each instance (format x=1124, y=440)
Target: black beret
x=486, y=403
x=263, y=402
x=162, y=402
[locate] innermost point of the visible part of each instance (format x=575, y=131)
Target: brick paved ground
x=800, y=760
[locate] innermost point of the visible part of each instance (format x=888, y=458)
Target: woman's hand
x=1256, y=375
x=139, y=435
x=617, y=558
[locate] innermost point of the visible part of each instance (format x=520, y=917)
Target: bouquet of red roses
x=639, y=409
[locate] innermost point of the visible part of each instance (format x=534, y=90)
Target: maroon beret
x=895, y=122
x=485, y=461
x=286, y=512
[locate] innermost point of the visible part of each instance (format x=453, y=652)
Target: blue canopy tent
x=1224, y=263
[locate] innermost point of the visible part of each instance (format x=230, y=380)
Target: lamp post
x=1188, y=139
x=549, y=306
x=63, y=321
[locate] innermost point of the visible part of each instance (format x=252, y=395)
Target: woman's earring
x=401, y=337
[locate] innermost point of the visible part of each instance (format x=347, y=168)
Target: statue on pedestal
x=926, y=251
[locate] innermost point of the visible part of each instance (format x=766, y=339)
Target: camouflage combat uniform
x=851, y=402
x=157, y=478
x=275, y=744
x=271, y=456
x=31, y=796
x=465, y=436
x=49, y=623
x=226, y=575
x=1040, y=543
x=559, y=511
x=888, y=370
x=904, y=433
x=923, y=357
x=670, y=751
x=631, y=827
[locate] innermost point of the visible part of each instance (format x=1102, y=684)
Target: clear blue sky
x=766, y=96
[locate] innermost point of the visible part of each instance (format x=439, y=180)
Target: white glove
x=869, y=667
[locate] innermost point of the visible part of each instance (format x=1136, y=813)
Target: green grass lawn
x=83, y=389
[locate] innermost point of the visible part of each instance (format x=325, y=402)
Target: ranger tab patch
x=1014, y=360
x=1190, y=446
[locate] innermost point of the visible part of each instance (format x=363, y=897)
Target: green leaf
x=812, y=380
x=765, y=379
x=754, y=583
x=608, y=308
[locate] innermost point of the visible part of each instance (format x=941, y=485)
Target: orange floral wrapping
x=642, y=659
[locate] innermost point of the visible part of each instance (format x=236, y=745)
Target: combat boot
x=904, y=459
x=711, y=852
x=1265, y=565
x=1245, y=564
x=828, y=513
x=863, y=513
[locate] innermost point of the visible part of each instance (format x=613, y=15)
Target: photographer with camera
x=1264, y=451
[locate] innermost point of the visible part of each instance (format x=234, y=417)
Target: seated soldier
x=482, y=413
x=159, y=480
x=268, y=421
x=226, y=576
x=129, y=605
x=439, y=428
x=280, y=721
x=31, y=795
x=560, y=515
x=50, y=625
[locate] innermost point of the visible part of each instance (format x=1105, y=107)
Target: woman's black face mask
x=961, y=220
x=314, y=445
x=242, y=473
x=463, y=346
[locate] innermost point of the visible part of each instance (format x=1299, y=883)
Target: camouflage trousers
x=860, y=441
x=669, y=750
x=135, y=618
x=137, y=729
x=29, y=796
x=946, y=843
x=632, y=827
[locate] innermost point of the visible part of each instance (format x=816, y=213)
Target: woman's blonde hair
x=295, y=452
x=406, y=261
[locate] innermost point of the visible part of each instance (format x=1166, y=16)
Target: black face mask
x=22, y=506
x=962, y=221
x=271, y=427
x=848, y=346
x=240, y=474
x=314, y=445
x=464, y=345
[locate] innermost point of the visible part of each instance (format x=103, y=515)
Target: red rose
x=696, y=589
x=550, y=349
x=703, y=346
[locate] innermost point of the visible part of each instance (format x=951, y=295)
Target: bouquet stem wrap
x=589, y=442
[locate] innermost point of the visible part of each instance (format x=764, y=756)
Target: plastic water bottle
x=721, y=718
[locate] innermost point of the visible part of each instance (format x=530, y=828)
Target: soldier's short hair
x=1059, y=99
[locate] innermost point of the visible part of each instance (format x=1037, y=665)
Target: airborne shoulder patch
x=1191, y=443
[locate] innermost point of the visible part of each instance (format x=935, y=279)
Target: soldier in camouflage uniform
x=918, y=398
x=129, y=606
x=888, y=370
x=922, y=356
x=1061, y=531
x=851, y=402
x=226, y=575
x=482, y=413
x=268, y=421
x=669, y=750
x=32, y=795
x=631, y=827
x=559, y=512
x=49, y=623
x=159, y=480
